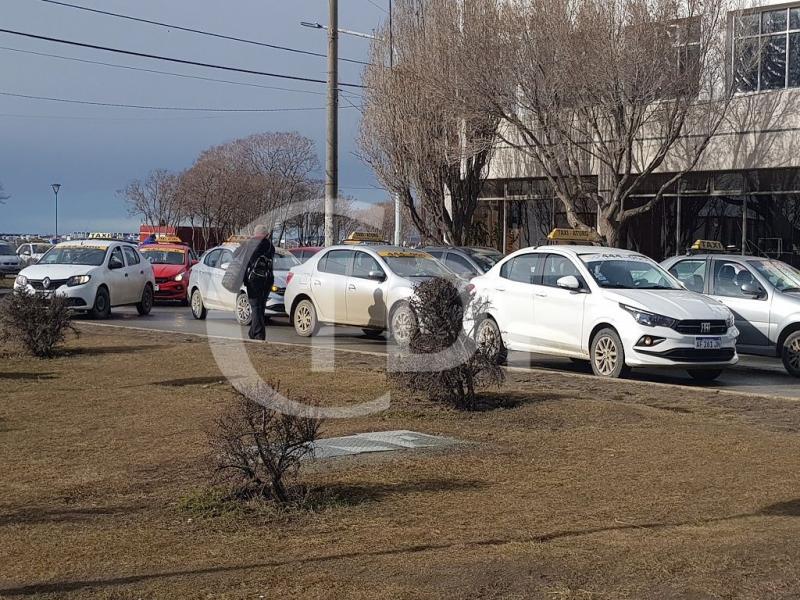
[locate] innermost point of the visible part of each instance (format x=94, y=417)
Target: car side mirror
x=26, y=253
x=376, y=276
x=193, y=262
x=114, y=265
x=570, y=282
x=751, y=290
x=224, y=266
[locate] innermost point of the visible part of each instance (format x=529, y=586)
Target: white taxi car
x=93, y=275
x=616, y=308
x=366, y=286
x=205, y=289
x=9, y=261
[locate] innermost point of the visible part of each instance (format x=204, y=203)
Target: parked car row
x=616, y=309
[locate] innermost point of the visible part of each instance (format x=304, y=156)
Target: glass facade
x=766, y=49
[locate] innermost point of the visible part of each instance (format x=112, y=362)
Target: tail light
x=289, y=276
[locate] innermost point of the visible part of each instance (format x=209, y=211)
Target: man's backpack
x=234, y=274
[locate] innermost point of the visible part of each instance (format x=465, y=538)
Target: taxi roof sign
x=364, y=237
x=573, y=236
x=168, y=238
x=707, y=246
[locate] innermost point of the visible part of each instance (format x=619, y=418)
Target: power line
x=171, y=73
x=375, y=4
x=170, y=59
x=198, y=31
x=148, y=107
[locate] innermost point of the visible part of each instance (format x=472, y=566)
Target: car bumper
x=679, y=350
x=171, y=290
x=276, y=306
x=79, y=297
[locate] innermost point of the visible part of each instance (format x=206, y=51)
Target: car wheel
x=304, y=319
x=608, y=355
x=199, y=311
x=791, y=354
x=243, y=312
x=373, y=334
x=490, y=340
x=705, y=375
x=101, y=309
x=403, y=325
x=145, y=305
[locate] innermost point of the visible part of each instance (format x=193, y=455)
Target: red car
x=305, y=252
x=172, y=265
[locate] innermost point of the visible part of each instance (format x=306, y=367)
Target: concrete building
x=744, y=192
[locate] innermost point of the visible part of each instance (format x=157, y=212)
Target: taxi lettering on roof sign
x=237, y=239
x=168, y=238
x=573, y=236
x=403, y=254
x=707, y=246
x=361, y=237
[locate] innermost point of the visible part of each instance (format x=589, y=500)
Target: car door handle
x=500, y=289
x=317, y=282
x=351, y=287
x=540, y=295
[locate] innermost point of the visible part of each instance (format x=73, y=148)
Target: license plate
x=708, y=343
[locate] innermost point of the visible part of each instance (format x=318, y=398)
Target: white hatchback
x=615, y=308
x=205, y=290
x=93, y=275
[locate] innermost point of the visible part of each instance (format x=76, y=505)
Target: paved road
x=752, y=375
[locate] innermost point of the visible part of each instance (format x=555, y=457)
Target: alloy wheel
x=606, y=356
x=793, y=354
x=303, y=318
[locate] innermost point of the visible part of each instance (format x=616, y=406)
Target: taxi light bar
x=573, y=236
x=707, y=246
x=364, y=237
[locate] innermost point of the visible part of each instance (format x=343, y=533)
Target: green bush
x=40, y=324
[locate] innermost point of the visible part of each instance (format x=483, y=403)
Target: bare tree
x=597, y=95
x=421, y=142
x=156, y=199
x=3, y=195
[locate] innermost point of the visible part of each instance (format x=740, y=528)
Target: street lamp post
x=56, y=187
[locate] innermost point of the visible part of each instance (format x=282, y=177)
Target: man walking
x=258, y=278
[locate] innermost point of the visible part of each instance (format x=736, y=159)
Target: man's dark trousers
x=257, y=295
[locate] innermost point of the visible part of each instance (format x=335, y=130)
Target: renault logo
x=705, y=327
x=46, y=282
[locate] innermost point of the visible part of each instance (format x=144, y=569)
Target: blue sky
x=95, y=151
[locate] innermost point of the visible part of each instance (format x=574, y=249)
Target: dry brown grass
x=6, y=282
x=578, y=488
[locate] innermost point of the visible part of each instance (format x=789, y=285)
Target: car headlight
x=179, y=277
x=21, y=280
x=731, y=320
x=78, y=280
x=649, y=319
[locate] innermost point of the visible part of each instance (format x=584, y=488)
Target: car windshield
x=415, y=264
x=628, y=272
x=74, y=255
x=779, y=274
x=485, y=257
x=284, y=262
x=6, y=249
x=164, y=257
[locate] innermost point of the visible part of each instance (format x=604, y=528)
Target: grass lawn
x=577, y=488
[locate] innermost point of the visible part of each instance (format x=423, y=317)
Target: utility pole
x=332, y=154
x=398, y=212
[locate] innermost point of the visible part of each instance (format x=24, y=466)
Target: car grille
x=54, y=284
x=695, y=327
x=699, y=356
x=163, y=279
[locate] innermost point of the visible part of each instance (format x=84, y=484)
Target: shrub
x=40, y=324
x=256, y=448
x=442, y=362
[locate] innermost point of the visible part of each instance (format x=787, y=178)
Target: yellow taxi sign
x=361, y=237
x=237, y=239
x=573, y=236
x=404, y=254
x=101, y=236
x=707, y=246
x=168, y=238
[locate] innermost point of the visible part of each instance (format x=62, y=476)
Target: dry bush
x=442, y=362
x=40, y=324
x=256, y=448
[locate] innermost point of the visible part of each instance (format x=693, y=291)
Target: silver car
x=762, y=293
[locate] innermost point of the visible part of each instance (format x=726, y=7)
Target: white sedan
x=205, y=290
x=365, y=286
x=615, y=308
x=93, y=275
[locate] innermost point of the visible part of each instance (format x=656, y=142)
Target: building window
x=766, y=50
